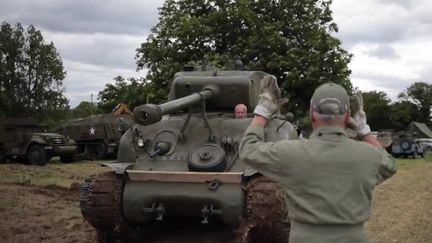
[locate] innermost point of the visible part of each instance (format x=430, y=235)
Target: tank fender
x=250, y=172
x=118, y=168
x=126, y=147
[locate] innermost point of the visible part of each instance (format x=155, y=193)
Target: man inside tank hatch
x=328, y=180
x=240, y=111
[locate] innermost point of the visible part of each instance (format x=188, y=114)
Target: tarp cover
x=421, y=129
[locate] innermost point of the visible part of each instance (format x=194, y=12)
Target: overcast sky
x=391, y=39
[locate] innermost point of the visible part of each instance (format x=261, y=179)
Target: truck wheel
x=100, y=151
x=36, y=155
x=67, y=158
x=406, y=145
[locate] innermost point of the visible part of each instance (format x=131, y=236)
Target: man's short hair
x=330, y=100
x=240, y=111
x=238, y=106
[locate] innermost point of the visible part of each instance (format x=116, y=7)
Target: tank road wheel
x=37, y=155
x=100, y=203
x=96, y=151
x=266, y=217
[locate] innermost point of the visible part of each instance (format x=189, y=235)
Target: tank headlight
x=140, y=142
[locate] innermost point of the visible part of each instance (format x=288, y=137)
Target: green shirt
x=328, y=179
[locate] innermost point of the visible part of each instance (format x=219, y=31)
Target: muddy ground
x=41, y=204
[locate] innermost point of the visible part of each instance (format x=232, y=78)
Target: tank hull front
x=150, y=196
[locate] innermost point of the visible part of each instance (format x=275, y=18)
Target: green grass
x=54, y=173
x=68, y=175
x=404, y=164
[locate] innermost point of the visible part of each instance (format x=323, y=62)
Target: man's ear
x=347, y=117
x=312, y=118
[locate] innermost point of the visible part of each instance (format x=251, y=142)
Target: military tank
x=181, y=160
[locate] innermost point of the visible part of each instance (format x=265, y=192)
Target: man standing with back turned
x=328, y=179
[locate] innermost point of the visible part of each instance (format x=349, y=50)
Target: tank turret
x=220, y=90
x=150, y=113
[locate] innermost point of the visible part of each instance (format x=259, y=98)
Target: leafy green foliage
x=84, y=109
x=289, y=39
x=31, y=74
x=420, y=93
x=377, y=108
x=132, y=92
x=401, y=115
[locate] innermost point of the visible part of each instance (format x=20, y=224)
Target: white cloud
x=96, y=39
x=115, y=50
x=391, y=41
x=78, y=16
x=86, y=79
x=383, y=52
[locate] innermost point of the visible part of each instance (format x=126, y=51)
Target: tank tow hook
x=207, y=211
x=158, y=211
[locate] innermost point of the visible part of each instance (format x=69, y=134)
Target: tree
x=402, y=113
x=31, y=73
x=289, y=39
x=84, y=109
x=132, y=92
x=378, y=109
x=420, y=94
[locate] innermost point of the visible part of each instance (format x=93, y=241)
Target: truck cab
x=25, y=140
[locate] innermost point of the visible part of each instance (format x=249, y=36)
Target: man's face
x=240, y=112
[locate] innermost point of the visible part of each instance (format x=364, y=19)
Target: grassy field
x=54, y=173
x=41, y=203
x=404, y=164
x=402, y=205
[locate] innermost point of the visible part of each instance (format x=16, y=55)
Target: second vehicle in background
x=405, y=145
x=24, y=139
x=97, y=136
x=425, y=142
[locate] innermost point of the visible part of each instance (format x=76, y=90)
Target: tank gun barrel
x=150, y=113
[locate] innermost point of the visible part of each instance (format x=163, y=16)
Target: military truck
x=404, y=144
x=97, y=136
x=25, y=140
x=181, y=160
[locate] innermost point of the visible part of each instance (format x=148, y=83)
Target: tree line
x=414, y=104
x=31, y=74
x=292, y=40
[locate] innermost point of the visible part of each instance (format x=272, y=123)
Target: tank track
x=266, y=217
x=100, y=203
